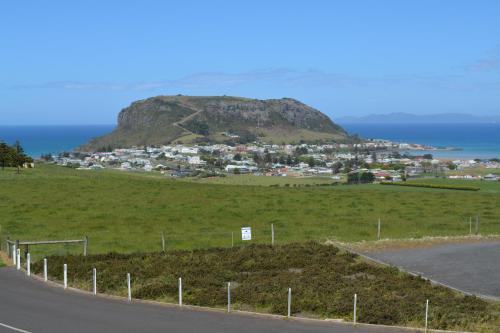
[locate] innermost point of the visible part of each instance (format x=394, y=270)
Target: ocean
x=474, y=140
x=38, y=140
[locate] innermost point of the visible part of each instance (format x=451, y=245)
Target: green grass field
x=126, y=212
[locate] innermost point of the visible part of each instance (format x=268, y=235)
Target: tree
x=311, y=162
x=336, y=167
x=427, y=157
x=6, y=154
x=360, y=177
x=13, y=156
x=237, y=157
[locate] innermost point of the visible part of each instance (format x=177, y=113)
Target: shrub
x=438, y=186
x=323, y=281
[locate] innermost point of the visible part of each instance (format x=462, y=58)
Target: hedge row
x=323, y=281
x=438, y=186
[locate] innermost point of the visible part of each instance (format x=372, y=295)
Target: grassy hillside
x=323, y=281
x=127, y=212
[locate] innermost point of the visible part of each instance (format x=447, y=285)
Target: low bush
x=438, y=186
x=323, y=281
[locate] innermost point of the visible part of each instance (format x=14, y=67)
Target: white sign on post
x=246, y=233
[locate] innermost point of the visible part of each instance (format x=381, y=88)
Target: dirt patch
x=5, y=259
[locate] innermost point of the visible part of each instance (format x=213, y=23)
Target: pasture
x=127, y=212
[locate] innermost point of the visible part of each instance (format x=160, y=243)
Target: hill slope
x=164, y=119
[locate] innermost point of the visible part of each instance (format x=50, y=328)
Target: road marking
x=14, y=328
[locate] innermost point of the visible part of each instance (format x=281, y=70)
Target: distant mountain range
x=408, y=118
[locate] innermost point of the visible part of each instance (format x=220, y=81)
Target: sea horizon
x=472, y=140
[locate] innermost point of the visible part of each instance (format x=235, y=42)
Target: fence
x=271, y=233
x=13, y=246
x=128, y=283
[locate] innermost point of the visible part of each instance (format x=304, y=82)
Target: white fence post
x=180, y=291
x=272, y=234
x=18, y=260
x=94, y=281
x=378, y=230
x=163, y=242
x=229, y=297
x=45, y=269
x=426, y=314
x=14, y=255
x=355, y=305
x=65, y=276
x=289, y=301
x=28, y=264
x=129, y=289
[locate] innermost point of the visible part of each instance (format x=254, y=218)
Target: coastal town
x=383, y=160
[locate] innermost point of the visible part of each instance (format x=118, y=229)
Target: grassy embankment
x=323, y=281
x=126, y=212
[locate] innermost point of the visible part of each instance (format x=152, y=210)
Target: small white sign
x=246, y=233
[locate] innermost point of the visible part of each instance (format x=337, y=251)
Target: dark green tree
x=6, y=155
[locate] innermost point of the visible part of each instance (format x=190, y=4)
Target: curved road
x=29, y=305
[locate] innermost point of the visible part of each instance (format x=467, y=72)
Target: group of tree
x=13, y=156
x=360, y=177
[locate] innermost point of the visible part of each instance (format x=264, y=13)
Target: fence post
x=94, y=281
x=426, y=314
x=85, y=244
x=289, y=301
x=163, y=241
x=229, y=297
x=45, y=269
x=65, y=272
x=14, y=255
x=272, y=234
x=470, y=225
x=378, y=230
x=28, y=264
x=477, y=225
x=180, y=291
x=18, y=258
x=8, y=247
x=232, y=239
x=355, y=305
x=128, y=288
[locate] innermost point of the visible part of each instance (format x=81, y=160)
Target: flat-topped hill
x=165, y=119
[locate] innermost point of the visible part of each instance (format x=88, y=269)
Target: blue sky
x=68, y=62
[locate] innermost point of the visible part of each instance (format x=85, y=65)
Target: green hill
x=166, y=119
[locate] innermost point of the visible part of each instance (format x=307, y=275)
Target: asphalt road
x=29, y=305
x=471, y=267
